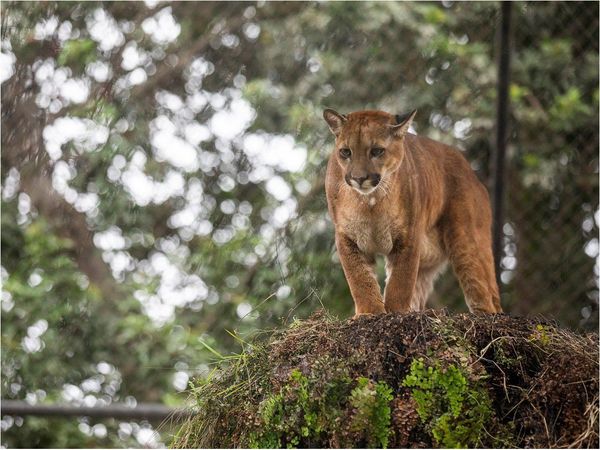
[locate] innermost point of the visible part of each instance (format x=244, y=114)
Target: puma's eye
x=345, y=153
x=377, y=152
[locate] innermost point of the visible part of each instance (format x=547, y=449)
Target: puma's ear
x=403, y=123
x=335, y=120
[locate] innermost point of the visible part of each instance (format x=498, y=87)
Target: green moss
x=297, y=411
x=308, y=408
x=371, y=401
x=454, y=410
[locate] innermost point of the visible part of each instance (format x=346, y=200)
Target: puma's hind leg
x=470, y=253
x=424, y=286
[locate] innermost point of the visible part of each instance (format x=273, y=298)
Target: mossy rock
x=403, y=380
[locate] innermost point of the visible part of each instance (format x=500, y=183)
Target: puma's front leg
x=402, y=267
x=360, y=274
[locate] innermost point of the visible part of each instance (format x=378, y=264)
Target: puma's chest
x=373, y=233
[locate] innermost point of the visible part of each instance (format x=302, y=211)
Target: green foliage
x=454, y=409
x=371, y=402
x=77, y=53
x=310, y=407
x=433, y=15
x=305, y=408
x=50, y=308
x=568, y=109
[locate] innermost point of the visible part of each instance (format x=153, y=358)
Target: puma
x=415, y=201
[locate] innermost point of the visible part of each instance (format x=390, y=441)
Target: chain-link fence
x=553, y=185
x=549, y=260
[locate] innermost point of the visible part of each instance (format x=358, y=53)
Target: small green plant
x=301, y=410
x=540, y=335
x=454, y=410
x=504, y=356
x=309, y=407
x=371, y=401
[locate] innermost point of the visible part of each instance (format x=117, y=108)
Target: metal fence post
x=142, y=411
x=499, y=160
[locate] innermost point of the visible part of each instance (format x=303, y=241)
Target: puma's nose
x=372, y=178
x=360, y=179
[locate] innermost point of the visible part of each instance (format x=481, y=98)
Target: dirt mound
x=403, y=380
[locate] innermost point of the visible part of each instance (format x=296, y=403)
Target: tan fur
x=427, y=209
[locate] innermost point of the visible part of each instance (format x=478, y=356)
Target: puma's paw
x=367, y=314
x=357, y=315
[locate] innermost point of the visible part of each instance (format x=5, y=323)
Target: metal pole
x=501, y=133
x=143, y=411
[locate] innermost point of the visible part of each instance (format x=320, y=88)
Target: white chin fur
x=366, y=191
x=362, y=190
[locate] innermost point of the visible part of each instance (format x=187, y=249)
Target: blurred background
x=163, y=166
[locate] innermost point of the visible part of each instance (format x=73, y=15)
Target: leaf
x=77, y=53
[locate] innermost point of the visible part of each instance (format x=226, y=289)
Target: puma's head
x=369, y=145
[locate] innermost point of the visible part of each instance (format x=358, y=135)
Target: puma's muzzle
x=363, y=183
